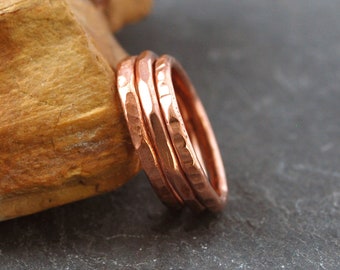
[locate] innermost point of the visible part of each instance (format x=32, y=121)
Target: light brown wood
x=62, y=133
x=121, y=12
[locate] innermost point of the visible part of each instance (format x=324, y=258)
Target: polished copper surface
x=171, y=132
x=154, y=121
x=139, y=134
x=192, y=137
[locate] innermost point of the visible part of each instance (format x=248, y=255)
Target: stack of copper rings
x=171, y=133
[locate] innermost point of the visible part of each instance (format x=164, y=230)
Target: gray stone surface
x=268, y=73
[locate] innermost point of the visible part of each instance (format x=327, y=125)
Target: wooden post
x=62, y=132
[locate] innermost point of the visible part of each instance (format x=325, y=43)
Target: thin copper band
x=157, y=129
x=199, y=148
x=139, y=135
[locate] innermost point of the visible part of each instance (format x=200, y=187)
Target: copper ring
x=171, y=133
x=158, y=130
x=139, y=134
x=199, y=148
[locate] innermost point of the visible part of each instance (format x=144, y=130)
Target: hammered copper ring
x=160, y=139
x=139, y=134
x=171, y=133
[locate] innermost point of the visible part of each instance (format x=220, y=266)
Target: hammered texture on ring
x=171, y=133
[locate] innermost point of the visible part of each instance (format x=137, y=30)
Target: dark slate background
x=268, y=73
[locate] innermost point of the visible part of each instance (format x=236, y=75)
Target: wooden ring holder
x=62, y=132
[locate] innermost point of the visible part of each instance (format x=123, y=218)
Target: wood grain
x=62, y=132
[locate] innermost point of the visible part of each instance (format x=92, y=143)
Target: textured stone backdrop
x=268, y=73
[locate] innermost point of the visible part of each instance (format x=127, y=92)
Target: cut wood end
x=62, y=132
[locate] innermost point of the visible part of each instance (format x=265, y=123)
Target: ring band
x=170, y=76
x=139, y=134
x=171, y=133
x=157, y=128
